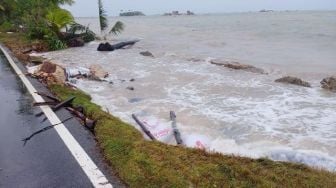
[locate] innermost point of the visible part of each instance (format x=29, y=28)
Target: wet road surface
x=44, y=161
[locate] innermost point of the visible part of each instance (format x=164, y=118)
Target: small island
x=177, y=13
x=132, y=13
x=264, y=10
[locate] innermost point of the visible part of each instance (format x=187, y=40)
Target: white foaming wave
x=275, y=152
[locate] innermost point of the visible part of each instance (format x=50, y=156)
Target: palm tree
x=118, y=26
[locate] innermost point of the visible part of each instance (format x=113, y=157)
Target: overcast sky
x=84, y=8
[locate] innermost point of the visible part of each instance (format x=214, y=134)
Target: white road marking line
x=96, y=177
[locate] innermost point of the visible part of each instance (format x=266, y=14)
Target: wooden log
x=64, y=103
x=57, y=107
x=143, y=127
x=177, y=133
x=88, y=123
x=108, y=47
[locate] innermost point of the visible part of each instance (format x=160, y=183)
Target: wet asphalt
x=44, y=161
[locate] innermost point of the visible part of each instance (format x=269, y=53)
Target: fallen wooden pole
x=143, y=127
x=62, y=104
x=88, y=123
x=57, y=107
x=177, y=133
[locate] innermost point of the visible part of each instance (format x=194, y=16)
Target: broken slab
x=36, y=58
x=329, y=83
x=238, y=66
x=98, y=72
x=293, y=80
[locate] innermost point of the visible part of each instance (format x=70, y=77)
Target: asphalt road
x=44, y=161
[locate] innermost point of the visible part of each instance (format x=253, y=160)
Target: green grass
x=141, y=163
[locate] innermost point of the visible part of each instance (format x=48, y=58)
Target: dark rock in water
x=147, y=54
x=105, y=47
x=238, y=66
x=293, y=80
x=130, y=88
x=329, y=83
x=134, y=100
x=76, y=42
x=132, y=80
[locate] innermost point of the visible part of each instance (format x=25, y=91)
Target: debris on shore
x=329, y=83
x=238, y=66
x=293, y=80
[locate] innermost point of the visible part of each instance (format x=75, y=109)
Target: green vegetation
x=40, y=20
x=142, y=163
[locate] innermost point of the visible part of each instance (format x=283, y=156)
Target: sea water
x=233, y=112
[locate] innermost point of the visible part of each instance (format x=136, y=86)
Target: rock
x=130, y=88
x=329, y=83
x=293, y=80
x=132, y=80
x=50, y=73
x=59, y=75
x=98, y=72
x=48, y=67
x=147, y=54
x=76, y=42
x=105, y=47
x=238, y=66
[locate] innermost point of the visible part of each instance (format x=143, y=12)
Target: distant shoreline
x=220, y=13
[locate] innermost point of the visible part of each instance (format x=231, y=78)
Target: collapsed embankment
x=142, y=163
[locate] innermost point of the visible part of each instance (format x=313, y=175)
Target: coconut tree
x=117, y=28
x=59, y=18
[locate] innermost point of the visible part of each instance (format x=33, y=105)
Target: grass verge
x=142, y=163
